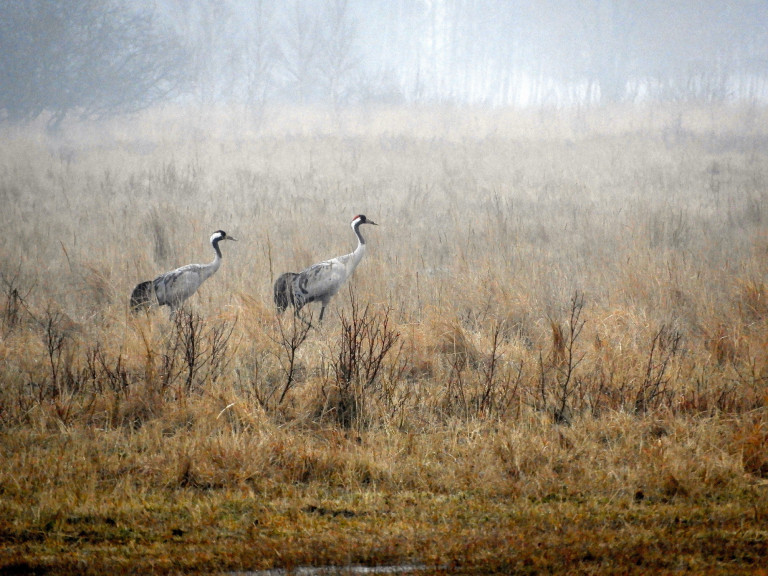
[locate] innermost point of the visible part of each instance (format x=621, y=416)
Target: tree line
x=102, y=57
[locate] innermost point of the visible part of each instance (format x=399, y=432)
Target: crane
x=320, y=281
x=174, y=287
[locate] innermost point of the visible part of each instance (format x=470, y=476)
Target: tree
x=337, y=58
x=298, y=54
x=91, y=58
x=210, y=28
x=260, y=55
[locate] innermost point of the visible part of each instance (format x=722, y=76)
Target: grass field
x=553, y=358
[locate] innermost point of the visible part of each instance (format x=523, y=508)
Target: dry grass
x=554, y=357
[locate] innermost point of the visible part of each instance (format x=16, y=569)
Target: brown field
x=553, y=359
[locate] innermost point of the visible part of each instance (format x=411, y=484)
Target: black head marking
x=221, y=235
x=361, y=219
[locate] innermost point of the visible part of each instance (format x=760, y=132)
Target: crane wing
x=320, y=281
x=175, y=286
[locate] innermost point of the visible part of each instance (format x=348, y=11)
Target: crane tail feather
x=142, y=296
x=283, y=291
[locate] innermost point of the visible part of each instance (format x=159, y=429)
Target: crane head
x=221, y=235
x=361, y=219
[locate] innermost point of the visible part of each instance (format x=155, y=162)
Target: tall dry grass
x=554, y=304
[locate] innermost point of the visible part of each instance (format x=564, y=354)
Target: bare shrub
x=59, y=348
x=365, y=341
x=204, y=347
x=105, y=373
x=61, y=386
x=653, y=391
x=14, y=301
x=557, y=377
x=289, y=341
x=486, y=388
x=499, y=384
x=193, y=353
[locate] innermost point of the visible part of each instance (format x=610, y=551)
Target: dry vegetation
x=553, y=358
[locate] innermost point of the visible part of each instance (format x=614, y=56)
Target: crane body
x=321, y=281
x=173, y=288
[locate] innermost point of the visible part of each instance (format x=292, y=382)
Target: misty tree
x=705, y=64
x=210, y=29
x=260, y=54
x=89, y=58
x=298, y=52
x=337, y=57
x=608, y=34
x=391, y=49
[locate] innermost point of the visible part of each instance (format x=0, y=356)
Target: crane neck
x=215, y=244
x=211, y=268
x=359, y=252
x=360, y=239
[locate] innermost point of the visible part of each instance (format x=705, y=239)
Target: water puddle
x=336, y=570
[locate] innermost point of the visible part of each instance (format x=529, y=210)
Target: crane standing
x=320, y=281
x=174, y=287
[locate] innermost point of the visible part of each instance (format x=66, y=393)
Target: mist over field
x=103, y=57
x=553, y=357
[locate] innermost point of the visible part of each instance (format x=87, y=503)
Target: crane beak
x=371, y=222
x=231, y=238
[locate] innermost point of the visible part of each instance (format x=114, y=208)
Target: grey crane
x=174, y=287
x=320, y=281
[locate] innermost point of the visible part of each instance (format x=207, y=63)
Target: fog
x=98, y=58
